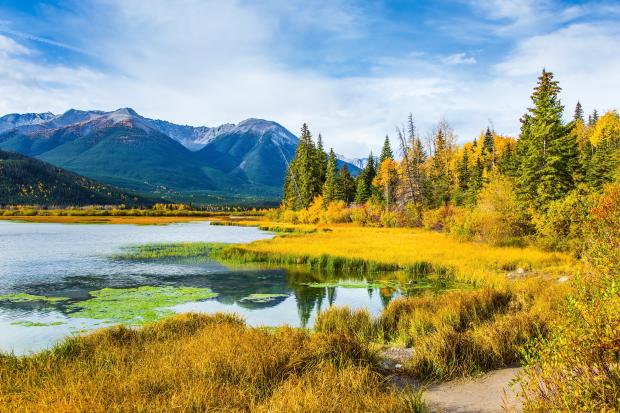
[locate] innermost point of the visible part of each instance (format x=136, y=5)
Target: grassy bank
x=200, y=363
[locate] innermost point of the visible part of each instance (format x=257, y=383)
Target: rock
x=394, y=358
x=563, y=279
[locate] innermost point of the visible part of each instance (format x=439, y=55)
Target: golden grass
x=476, y=263
x=198, y=363
x=136, y=220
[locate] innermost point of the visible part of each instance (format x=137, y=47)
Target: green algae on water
x=263, y=298
x=26, y=298
x=26, y=323
x=136, y=306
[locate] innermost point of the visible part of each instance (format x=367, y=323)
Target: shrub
x=290, y=216
x=438, y=219
x=359, y=215
x=563, y=226
x=389, y=219
x=337, y=212
x=497, y=218
x=577, y=368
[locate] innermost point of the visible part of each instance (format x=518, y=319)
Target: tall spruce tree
x=364, y=181
x=329, y=187
x=321, y=160
x=302, y=182
x=593, y=118
x=578, y=112
x=386, y=151
x=439, y=171
x=489, y=149
x=345, y=185
x=548, y=152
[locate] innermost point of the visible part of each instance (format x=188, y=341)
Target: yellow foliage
x=607, y=128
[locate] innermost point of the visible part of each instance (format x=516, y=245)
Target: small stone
x=563, y=279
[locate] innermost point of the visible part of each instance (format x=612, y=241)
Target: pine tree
x=302, y=181
x=593, y=118
x=418, y=159
x=463, y=171
x=439, y=171
x=364, y=181
x=386, y=151
x=345, y=185
x=321, y=160
x=578, y=112
x=329, y=187
x=547, y=152
x=489, y=148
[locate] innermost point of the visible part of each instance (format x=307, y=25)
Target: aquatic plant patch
x=263, y=298
x=135, y=306
x=26, y=323
x=26, y=298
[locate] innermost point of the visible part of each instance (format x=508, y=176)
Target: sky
x=353, y=70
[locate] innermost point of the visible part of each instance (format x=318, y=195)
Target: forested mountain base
x=28, y=181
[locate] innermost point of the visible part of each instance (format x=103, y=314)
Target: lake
x=62, y=279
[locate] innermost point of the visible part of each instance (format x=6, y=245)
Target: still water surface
x=74, y=261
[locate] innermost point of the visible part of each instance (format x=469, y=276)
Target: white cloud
x=207, y=63
x=459, y=59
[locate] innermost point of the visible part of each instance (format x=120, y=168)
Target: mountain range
x=230, y=163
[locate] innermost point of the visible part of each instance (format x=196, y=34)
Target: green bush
x=564, y=224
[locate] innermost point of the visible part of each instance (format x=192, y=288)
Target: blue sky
x=352, y=69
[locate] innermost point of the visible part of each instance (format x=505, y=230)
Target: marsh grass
x=367, y=250
x=199, y=363
x=148, y=252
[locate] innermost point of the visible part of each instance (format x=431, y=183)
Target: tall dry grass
x=198, y=363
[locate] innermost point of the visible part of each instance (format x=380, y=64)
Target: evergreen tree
x=329, y=187
x=439, y=171
x=345, y=185
x=578, y=112
x=386, y=151
x=418, y=159
x=489, y=148
x=302, y=181
x=547, y=152
x=463, y=171
x=321, y=160
x=364, y=181
x=593, y=118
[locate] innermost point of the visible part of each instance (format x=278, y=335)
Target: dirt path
x=489, y=393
